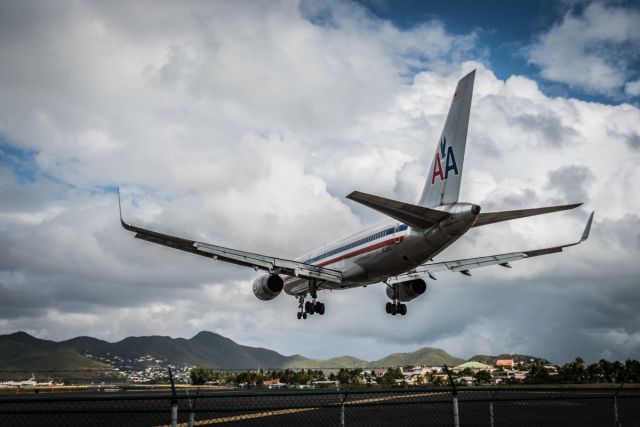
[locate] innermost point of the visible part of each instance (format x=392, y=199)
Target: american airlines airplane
x=398, y=252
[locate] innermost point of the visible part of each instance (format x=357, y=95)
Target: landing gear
x=396, y=307
x=309, y=307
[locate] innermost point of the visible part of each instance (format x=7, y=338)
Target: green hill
x=205, y=348
x=299, y=362
x=426, y=356
x=21, y=354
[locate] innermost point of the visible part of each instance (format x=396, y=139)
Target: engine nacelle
x=409, y=290
x=268, y=287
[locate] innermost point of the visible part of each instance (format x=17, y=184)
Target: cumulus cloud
x=593, y=48
x=245, y=127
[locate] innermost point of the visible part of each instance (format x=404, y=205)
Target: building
x=505, y=363
x=473, y=365
x=274, y=383
x=501, y=376
x=466, y=381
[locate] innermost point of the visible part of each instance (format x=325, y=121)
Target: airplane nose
x=475, y=209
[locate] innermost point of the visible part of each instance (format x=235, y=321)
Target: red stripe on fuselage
x=373, y=247
x=362, y=251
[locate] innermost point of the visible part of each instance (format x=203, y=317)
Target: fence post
x=454, y=398
x=192, y=406
x=343, y=398
x=491, y=416
x=615, y=406
x=174, y=401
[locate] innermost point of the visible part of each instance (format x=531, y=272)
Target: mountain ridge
x=21, y=351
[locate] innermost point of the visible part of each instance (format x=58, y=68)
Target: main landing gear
x=396, y=307
x=309, y=307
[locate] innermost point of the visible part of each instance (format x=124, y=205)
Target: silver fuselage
x=386, y=249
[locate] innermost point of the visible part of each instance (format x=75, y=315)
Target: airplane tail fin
x=444, y=176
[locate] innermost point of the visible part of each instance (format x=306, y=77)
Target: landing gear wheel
x=304, y=315
x=312, y=308
x=394, y=309
x=388, y=308
x=299, y=315
x=320, y=308
x=402, y=309
x=307, y=304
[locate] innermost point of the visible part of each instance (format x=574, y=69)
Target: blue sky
x=245, y=126
x=506, y=29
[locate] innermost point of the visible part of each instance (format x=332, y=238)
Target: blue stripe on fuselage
x=357, y=243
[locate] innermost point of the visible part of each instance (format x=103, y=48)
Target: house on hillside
x=505, y=363
x=474, y=366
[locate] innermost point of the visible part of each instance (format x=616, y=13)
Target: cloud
x=572, y=182
x=632, y=88
x=593, y=48
x=246, y=127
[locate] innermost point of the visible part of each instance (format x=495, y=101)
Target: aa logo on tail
x=444, y=154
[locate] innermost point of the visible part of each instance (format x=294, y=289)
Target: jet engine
x=268, y=287
x=408, y=290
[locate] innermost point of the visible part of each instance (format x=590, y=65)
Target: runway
x=406, y=407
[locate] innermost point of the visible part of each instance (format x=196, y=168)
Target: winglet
x=124, y=224
x=585, y=233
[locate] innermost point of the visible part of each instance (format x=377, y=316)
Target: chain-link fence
x=370, y=407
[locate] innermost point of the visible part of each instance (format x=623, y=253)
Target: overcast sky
x=246, y=123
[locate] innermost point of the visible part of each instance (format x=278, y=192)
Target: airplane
x=23, y=383
x=31, y=382
x=398, y=252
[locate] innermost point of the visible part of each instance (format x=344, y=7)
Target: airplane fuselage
x=386, y=249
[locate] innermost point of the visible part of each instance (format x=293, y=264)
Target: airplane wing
x=464, y=265
x=493, y=217
x=234, y=256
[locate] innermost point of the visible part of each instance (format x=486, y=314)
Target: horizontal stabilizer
x=413, y=215
x=493, y=217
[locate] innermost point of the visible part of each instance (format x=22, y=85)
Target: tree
x=606, y=370
x=392, y=374
x=466, y=372
x=200, y=375
x=349, y=376
x=574, y=372
x=632, y=370
x=483, y=377
x=538, y=374
x=594, y=373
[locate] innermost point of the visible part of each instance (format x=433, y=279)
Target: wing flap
x=413, y=215
x=293, y=268
x=493, y=217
